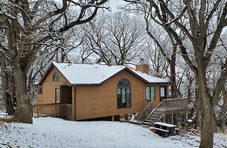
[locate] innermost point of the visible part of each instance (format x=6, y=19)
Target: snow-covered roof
x=79, y=74
x=87, y=73
x=149, y=78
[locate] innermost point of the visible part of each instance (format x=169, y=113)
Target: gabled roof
x=95, y=74
x=149, y=78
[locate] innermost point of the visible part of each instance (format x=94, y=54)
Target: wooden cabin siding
x=156, y=101
x=48, y=87
x=94, y=101
x=101, y=101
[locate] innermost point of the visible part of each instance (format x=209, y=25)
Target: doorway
x=163, y=93
x=66, y=94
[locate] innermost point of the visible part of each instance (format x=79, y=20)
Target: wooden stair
x=154, y=116
x=168, y=106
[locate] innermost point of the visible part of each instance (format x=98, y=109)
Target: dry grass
x=9, y=120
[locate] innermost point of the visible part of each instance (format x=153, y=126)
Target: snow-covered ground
x=59, y=133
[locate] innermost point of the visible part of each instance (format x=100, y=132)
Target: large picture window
x=150, y=93
x=123, y=94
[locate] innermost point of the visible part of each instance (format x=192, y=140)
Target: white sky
x=115, y=3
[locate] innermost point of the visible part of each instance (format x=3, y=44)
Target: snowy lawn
x=59, y=133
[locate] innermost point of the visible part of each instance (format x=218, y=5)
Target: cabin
x=90, y=91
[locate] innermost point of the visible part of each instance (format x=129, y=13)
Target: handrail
x=53, y=110
x=155, y=109
x=178, y=102
x=140, y=114
x=175, y=102
x=48, y=104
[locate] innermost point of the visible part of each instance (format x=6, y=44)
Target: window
x=57, y=95
x=123, y=94
x=40, y=90
x=162, y=92
x=55, y=77
x=150, y=93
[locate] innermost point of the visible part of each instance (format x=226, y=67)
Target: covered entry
x=66, y=94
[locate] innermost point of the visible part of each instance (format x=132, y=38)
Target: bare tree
x=202, y=23
x=223, y=113
x=26, y=26
x=157, y=65
x=115, y=39
x=8, y=88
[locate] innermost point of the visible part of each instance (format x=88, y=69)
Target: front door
x=162, y=93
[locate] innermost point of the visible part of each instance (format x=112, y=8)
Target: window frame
x=124, y=95
x=40, y=90
x=149, y=90
x=57, y=95
x=55, y=77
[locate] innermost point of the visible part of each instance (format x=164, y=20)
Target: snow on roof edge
x=146, y=77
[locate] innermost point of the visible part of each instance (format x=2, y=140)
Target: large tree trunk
x=207, y=124
x=223, y=111
x=206, y=113
x=4, y=83
x=23, y=112
x=7, y=88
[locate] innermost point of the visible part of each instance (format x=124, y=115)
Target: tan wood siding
x=48, y=88
x=101, y=101
x=98, y=101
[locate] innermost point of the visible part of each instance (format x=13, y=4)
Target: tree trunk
x=207, y=127
x=4, y=83
x=223, y=126
x=7, y=89
x=206, y=114
x=23, y=112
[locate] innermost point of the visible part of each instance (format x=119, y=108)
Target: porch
x=53, y=110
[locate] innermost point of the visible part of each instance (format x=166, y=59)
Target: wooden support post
x=186, y=117
x=73, y=103
x=172, y=119
x=112, y=118
x=37, y=111
x=164, y=118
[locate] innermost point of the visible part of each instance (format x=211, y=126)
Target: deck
x=173, y=105
x=171, y=110
x=53, y=110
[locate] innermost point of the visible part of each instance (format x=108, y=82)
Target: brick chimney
x=142, y=67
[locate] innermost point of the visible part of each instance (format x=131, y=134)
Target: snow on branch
x=2, y=52
x=181, y=14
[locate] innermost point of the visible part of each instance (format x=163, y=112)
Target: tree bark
x=4, y=83
x=207, y=125
x=23, y=112
x=206, y=112
x=7, y=88
x=223, y=111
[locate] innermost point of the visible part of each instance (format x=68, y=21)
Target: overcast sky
x=115, y=3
